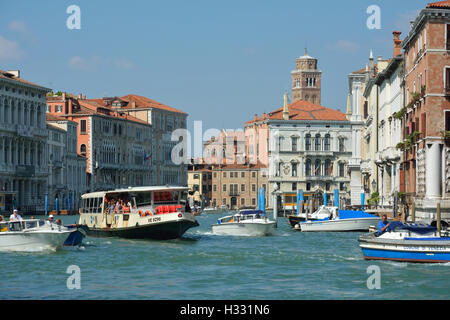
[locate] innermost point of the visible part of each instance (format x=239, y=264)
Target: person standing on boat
x=50, y=218
x=383, y=225
x=15, y=216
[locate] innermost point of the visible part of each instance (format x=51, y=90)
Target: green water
x=287, y=266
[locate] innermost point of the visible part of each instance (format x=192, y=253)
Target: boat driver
x=15, y=216
x=383, y=225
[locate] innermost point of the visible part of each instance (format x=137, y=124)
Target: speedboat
x=341, y=221
x=252, y=223
x=154, y=212
x=322, y=213
x=407, y=243
x=32, y=235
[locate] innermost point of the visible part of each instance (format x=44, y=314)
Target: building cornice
x=424, y=16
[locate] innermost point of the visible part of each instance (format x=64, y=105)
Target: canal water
x=287, y=266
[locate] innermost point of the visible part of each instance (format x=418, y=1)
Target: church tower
x=306, y=80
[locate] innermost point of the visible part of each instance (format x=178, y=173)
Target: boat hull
x=344, y=225
x=158, y=231
x=405, y=250
x=33, y=241
x=244, y=229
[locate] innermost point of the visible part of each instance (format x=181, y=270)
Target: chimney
x=411, y=24
x=133, y=104
x=80, y=96
x=15, y=73
x=64, y=96
x=397, y=43
x=371, y=65
x=285, y=107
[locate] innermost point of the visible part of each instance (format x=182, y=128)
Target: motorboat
x=155, y=212
x=322, y=213
x=32, y=235
x=407, y=243
x=252, y=223
x=341, y=221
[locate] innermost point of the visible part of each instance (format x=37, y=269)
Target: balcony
x=234, y=193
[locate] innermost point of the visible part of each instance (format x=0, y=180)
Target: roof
x=143, y=102
x=54, y=117
x=10, y=76
x=92, y=106
x=100, y=194
x=439, y=4
x=305, y=110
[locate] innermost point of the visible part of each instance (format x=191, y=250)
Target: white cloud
x=18, y=26
x=10, y=50
x=345, y=46
x=93, y=63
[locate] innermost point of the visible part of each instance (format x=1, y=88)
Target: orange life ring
x=141, y=213
x=148, y=213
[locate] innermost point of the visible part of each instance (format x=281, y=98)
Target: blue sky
x=219, y=61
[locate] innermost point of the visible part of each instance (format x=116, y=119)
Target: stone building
x=117, y=146
x=309, y=150
x=425, y=169
x=200, y=184
x=237, y=185
x=67, y=169
x=23, y=139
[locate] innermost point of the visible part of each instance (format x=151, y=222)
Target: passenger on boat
x=59, y=222
x=50, y=218
x=383, y=225
x=2, y=218
x=15, y=216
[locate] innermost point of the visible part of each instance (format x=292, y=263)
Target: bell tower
x=306, y=80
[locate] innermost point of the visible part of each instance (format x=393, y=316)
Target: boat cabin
x=135, y=200
x=245, y=215
x=16, y=226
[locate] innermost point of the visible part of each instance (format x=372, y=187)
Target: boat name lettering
x=157, y=219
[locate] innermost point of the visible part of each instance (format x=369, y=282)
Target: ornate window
x=341, y=145
x=317, y=168
x=308, y=142
x=327, y=142
x=308, y=168
x=317, y=142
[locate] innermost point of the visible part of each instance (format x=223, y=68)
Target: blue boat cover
x=417, y=228
x=245, y=212
x=347, y=214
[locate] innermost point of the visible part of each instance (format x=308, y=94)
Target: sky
x=219, y=61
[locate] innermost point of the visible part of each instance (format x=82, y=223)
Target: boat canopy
x=417, y=228
x=347, y=214
x=249, y=212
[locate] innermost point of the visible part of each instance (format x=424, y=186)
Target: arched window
x=341, y=169
x=294, y=169
x=327, y=142
x=317, y=168
x=308, y=168
x=83, y=150
x=328, y=168
x=317, y=142
x=341, y=145
x=308, y=142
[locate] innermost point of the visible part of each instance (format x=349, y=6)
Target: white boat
x=343, y=221
x=246, y=223
x=155, y=212
x=407, y=243
x=321, y=214
x=32, y=236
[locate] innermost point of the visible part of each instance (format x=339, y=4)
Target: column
x=433, y=170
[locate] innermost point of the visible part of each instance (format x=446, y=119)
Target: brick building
x=425, y=171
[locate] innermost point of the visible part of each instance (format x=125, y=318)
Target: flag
x=147, y=157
